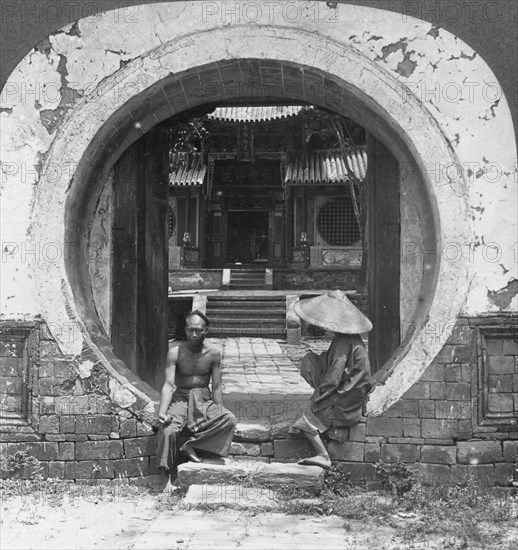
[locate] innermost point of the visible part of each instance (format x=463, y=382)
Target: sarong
x=211, y=425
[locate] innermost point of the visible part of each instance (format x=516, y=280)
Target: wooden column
x=140, y=267
x=124, y=266
x=277, y=231
x=384, y=251
x=304, y=210
x=288, y=227
x=152, y=259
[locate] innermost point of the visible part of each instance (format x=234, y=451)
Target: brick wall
x=460, y=417
x=72, y=424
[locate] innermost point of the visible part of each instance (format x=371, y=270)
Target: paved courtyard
x=261, y=366
x=198, y=530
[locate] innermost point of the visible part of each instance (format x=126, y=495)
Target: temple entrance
x=248, y=238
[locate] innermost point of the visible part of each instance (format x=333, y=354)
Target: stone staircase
x=262, y=463
x=247, y=279
x=247, y=316
x=263, y=388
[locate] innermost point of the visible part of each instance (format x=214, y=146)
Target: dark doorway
x=248, y=241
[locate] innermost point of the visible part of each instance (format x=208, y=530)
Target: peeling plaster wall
x=450, y=79
x=76, y=68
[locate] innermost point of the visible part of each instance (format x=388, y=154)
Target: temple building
x=265, y=194
x=219, y=203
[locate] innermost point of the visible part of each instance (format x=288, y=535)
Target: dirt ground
x=137, y=519
x=79, y=521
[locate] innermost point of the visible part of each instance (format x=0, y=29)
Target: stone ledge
x=272, y=475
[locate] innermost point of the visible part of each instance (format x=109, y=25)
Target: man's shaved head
x=198, y=313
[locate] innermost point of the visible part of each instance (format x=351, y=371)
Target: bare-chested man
x=186, y=400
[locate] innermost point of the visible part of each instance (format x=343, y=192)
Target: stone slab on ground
x=234, y=497
x=273, y=475
x=196, y=530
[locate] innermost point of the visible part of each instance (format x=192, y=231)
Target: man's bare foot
x=166, y=482
x=190, y=453
x=322, y=461
x=169, y=488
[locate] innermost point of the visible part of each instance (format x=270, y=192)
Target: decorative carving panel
x=19, y=343
x=341, y=256
x=191, y=256
x=497, y=395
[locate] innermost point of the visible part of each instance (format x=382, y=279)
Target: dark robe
x=341, y=377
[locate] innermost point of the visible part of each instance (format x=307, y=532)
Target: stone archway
x=115, y=112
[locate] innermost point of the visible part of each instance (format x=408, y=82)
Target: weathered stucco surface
x=64, y=90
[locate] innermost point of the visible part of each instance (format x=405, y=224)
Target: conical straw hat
x=333, y=311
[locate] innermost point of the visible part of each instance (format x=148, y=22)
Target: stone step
x=248, y=270
x=220, y=311
x=247, y=286
x=242, y=275
x=247, y=307
x=253, y=432
x=246, y=297
x=247, y=281
x=238, y=332
x=233, y=497
x=237, y=322
x=272, y=475
x=273, y=441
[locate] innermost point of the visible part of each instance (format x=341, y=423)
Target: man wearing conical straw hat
x=341, y=376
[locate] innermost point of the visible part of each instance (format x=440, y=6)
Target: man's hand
x=164, y=419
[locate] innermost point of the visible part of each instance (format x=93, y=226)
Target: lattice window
x=337, y=222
